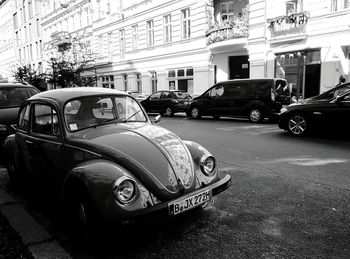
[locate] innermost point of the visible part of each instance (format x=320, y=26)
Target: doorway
x=312, y=80
x=239, y=67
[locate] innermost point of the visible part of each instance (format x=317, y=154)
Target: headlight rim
x=118, y=184
x=202, y=164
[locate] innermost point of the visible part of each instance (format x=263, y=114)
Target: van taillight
x=273, y=97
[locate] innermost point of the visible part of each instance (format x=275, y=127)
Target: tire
x=256, y=114
x=195, y=113
x=83, y=216
x=297, y=124
x=168, y=112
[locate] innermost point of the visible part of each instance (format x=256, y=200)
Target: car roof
x=65, y=94
x=252, y=79
x=3, y=85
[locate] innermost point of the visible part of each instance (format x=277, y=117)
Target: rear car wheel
x=169, y=112
x=256, y=114
x=195, y=113
x=297, y=124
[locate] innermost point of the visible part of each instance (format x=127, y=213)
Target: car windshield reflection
x=89, y=112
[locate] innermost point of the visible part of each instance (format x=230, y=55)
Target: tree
x=25, y=74
x=69, y=59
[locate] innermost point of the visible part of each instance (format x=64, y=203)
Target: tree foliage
x=25, y=74
x=69, y=59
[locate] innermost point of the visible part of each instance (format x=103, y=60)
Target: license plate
x=188, y=203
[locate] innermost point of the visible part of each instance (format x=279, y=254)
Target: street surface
x=289, y=199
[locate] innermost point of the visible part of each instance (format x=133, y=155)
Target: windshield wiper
x=102, y=123
x=131, y=116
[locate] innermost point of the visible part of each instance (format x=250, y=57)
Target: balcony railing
x=234, y=29
x=288, y=24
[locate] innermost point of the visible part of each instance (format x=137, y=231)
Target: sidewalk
x=20, y=235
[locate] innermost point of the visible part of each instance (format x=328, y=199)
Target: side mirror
x=154, y=117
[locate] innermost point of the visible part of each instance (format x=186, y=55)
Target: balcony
x=289, y=26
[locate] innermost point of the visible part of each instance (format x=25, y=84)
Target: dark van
x=252, y=98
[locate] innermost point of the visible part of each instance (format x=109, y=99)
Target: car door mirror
x=154, y=117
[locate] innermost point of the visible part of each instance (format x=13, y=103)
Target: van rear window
x=281, y=87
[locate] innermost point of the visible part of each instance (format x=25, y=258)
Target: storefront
x=302, y=69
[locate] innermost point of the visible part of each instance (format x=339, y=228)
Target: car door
x=211, y=101
x=164, y=101
x=340, y=110
x=43, y=146
x=152, y=102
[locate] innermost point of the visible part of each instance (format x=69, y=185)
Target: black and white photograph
x=174, y=129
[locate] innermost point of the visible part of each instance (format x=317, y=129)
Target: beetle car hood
x=154, y=155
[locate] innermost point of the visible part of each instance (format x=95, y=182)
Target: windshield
x=15, y=96
x=98, y=110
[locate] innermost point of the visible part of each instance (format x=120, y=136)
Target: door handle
x=29, y=142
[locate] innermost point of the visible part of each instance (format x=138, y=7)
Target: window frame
x=150, y=33
x=167, y=28
x=186, y=23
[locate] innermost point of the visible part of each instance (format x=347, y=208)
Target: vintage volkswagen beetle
x=102, y=153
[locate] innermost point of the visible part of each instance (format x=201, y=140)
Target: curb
x=37, y=240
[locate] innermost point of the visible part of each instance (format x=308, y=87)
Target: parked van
x=252, y=98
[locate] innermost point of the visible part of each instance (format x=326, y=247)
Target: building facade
x=152, y=45
x=306, y=42
x=7, y=46
x=27, y=30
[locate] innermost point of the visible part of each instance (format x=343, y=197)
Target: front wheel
x=256, y=115
x=195, y=113
x=297, y=124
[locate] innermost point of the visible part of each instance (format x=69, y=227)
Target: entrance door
x=182, y=85
x=312, y=80
x=239, y=67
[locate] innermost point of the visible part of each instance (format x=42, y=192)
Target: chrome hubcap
x=194, y=113
x=255, y=115
x=168, y=112
x=297, y=125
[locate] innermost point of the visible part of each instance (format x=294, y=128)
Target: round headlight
x=124, y=190
x=208, y=165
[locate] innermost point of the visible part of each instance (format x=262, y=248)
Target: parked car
x=12, y=95
x=98, y=150
x=167, y=102
x=252, y=98
x=328, y=111
x=137, y=95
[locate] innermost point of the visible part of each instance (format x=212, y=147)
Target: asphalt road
x=289, y=199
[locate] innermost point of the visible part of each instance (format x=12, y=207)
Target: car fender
x=97, y=177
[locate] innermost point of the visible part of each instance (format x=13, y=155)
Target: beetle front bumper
x=162, y=210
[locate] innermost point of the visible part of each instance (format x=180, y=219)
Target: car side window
x=217, y=91
x=346, y=98
x=164, y=95
x=155, y=96
x=341, y=90
x=23, y=121
x=45, y=120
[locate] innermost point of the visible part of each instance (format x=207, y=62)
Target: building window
x=110, y=46
x=181, y=79
x=139, y=82
x=19, y=56
x=122, y=43
x=30, y=9
x=17, y=38
x=24, y=14
x=167, y=28
x=135, y=37
x=125, y=82
x=185, y=23
x=31, y=51
x=108, y=81
x=338, y=5
x=227, y=13
x=15, y=21
x=150, y=33
x=37, y=27
x=41, y=48
x=154, y=81
x=100, y=45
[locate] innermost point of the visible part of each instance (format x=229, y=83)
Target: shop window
x=171, y=73
x=139, y=82
x=181, y=72
x=189, y=72
x=125, y=79
x=154, y=81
